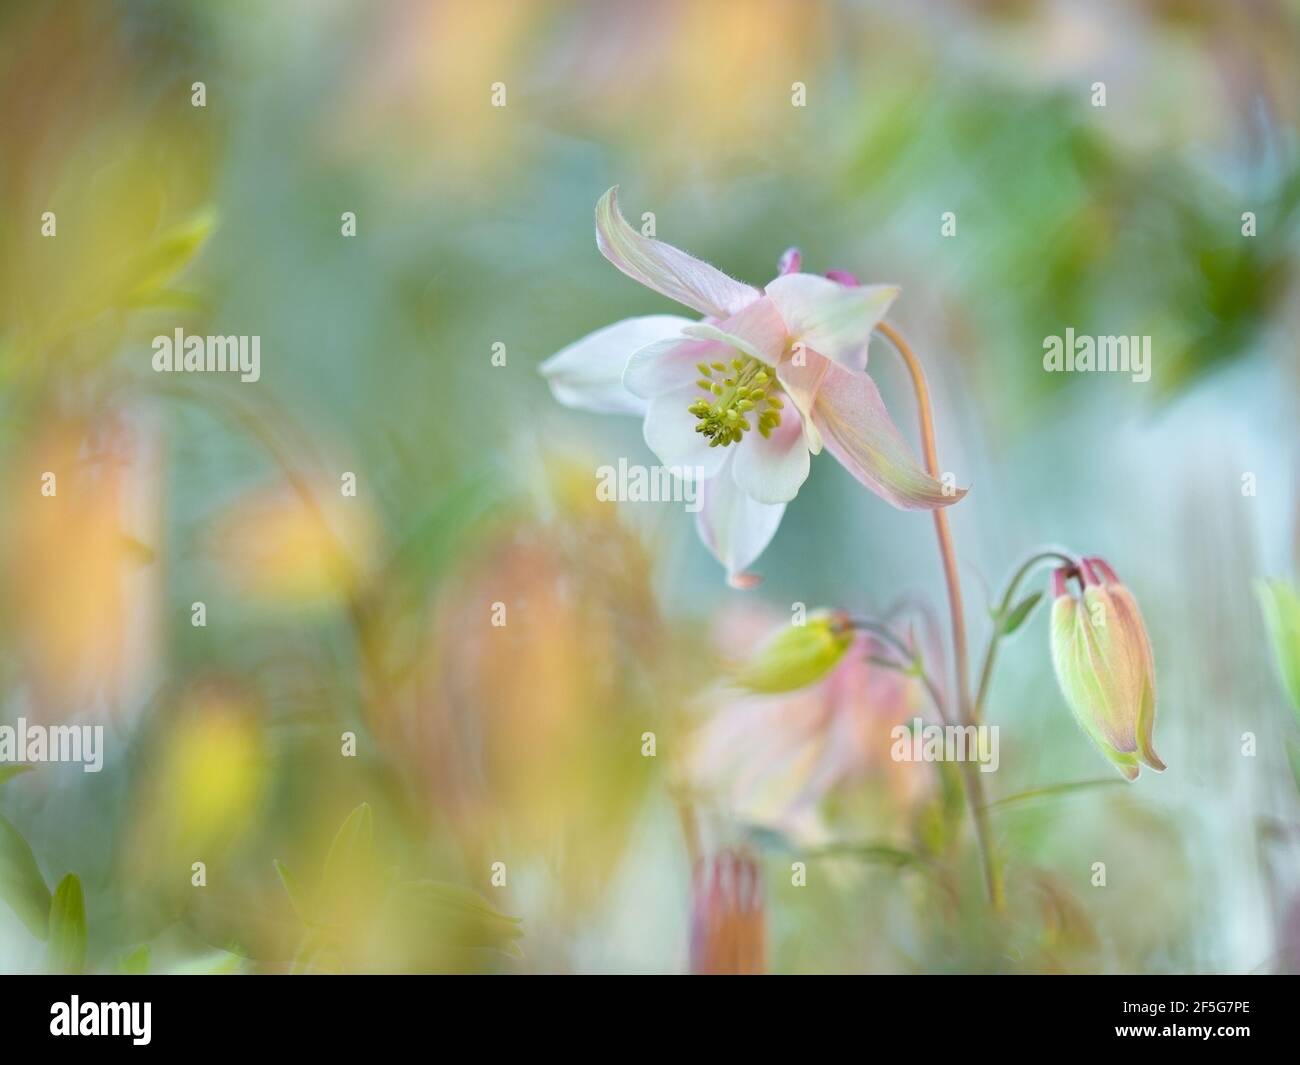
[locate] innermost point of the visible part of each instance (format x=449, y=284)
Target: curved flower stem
x=885, y=634
x=363, y=606
x=986, y=674
x=911, y=663
x=910, y=671
x=974, y=787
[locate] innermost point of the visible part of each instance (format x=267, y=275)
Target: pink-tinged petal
x=858, y=431
x=734, y=527
x=758, y=330
x=668, y=365
x=667, y=270
x=834, y=320
x=588, y=374
x=790, y=261
x=670, y=433
x=771, y=469
x=801, y=374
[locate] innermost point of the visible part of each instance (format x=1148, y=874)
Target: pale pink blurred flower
x=519, y=732
x=772, y=760
x=728, y=937
x=789, y=362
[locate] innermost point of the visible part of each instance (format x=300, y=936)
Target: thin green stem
x=1054, y=791
x=915, y=665
x=974, y=786
x=911, y=670
x=990, y=656
x=880, y=629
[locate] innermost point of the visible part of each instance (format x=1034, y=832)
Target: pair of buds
x=1100, y=651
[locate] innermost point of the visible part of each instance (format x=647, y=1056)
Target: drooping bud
x=727, y=930
x=798, y=655
x=1104, y=664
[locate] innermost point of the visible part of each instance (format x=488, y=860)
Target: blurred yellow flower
x=439, y=68
x=203, y=786
x=279, y=547
x=78, y=558
x=722, y=75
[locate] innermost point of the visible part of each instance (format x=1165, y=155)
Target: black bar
x=927, y=1013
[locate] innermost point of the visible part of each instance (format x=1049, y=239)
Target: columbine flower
x=1104, y=664
x=744, y=397
x=727, y=935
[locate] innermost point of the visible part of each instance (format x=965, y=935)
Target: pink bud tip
x=843, y=277
x=1059, y=577
x=1088, y=572
x=727, y=924
x=790, y=261
x=1103, y=567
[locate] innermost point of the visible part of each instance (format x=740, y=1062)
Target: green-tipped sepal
x=798, y=655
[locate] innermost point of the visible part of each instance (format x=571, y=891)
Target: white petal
x=588, y=374
x=758, y=330
x=734, y=527
x=667, y=270
x=835, y=320
x=771, y=469
x=668, y=365
x=670, y=433
x=801, y=375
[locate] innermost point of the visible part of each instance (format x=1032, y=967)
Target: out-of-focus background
x=349, y=674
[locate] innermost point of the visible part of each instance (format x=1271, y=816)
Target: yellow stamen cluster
x=745, y=387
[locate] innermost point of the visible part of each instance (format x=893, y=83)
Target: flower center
x=746, y=387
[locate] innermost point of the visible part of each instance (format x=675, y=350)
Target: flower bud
x=1104, y=664
x=798, y=655
x=727, y=934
